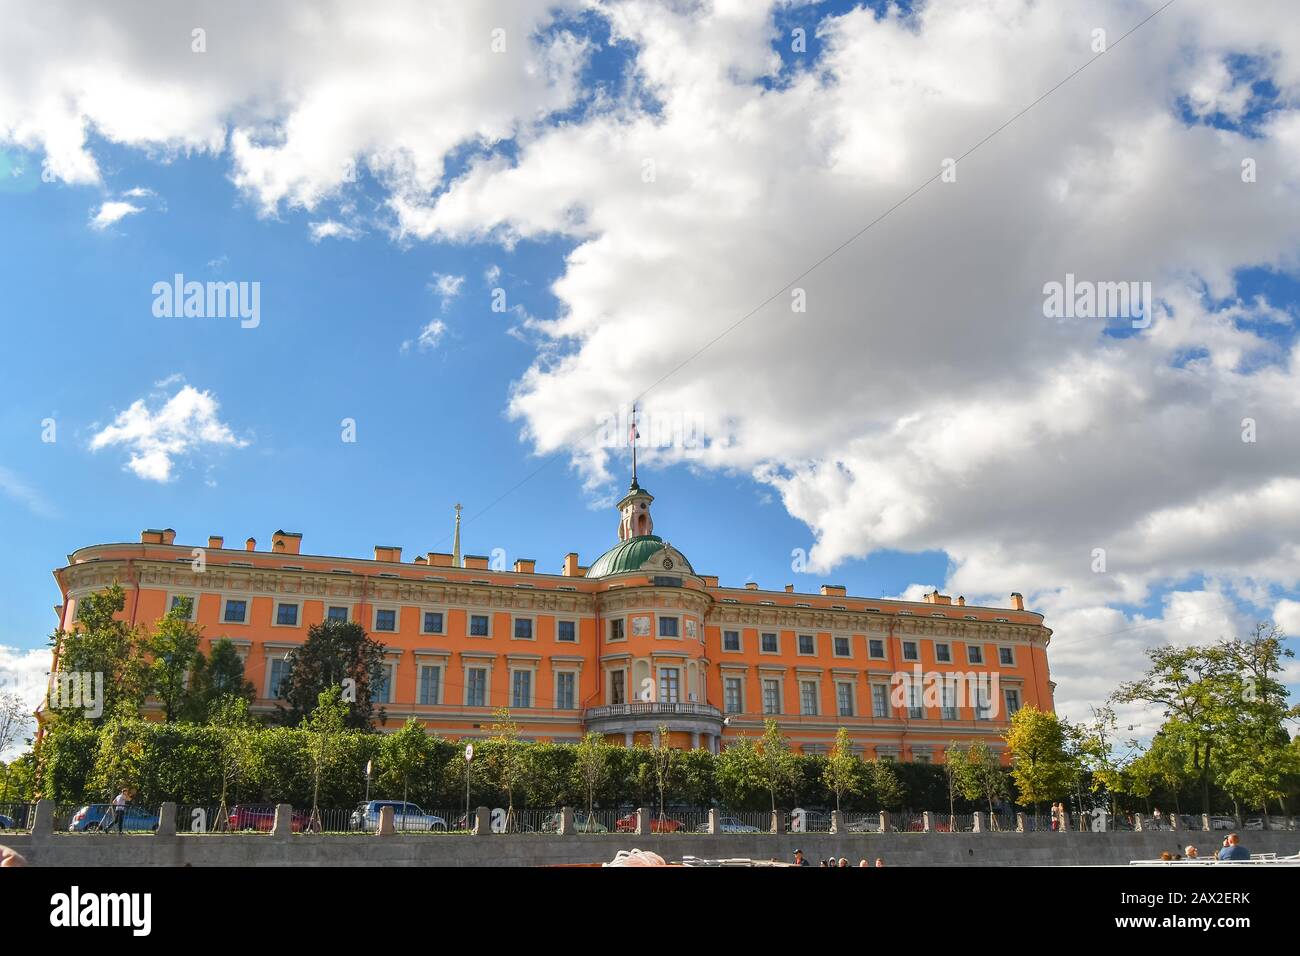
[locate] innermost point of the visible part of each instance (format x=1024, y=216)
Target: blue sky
x=922, y=423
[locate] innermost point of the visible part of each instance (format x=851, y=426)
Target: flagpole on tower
x=632, y=436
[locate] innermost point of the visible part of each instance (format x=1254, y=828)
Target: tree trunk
x=1205, y=780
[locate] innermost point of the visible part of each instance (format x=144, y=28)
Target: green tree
x=739, y=779
x=218, y=676
x=882, y=777
x=954, y=769
x=842, y=773
x=102, y=644
x=323, y=726
x=234, y=727
x=173, y=650
x=664, y=762
x=403, y=755
x=981, y=778
x=506, y=761
x=776, y=764
x=591, y=766
x=1040, y=766
x=335, y=654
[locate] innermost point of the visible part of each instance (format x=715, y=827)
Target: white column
x=695, y=739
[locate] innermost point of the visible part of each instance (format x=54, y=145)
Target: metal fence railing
x=16, y=817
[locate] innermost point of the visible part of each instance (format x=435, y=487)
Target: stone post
x=778, y=821
x=926, y=827
x=482, y=822
x=642, y=821
x=1174, y=823
x=1020, y=822
x=42, y=822
x=386, y=827
x=566, y=821
x=978, y=826
x=885, y=825
x=1205, y=822
x=713, y=819
x=167, y=820
x=837, y=822
x=282, y=829
x=1137, y=822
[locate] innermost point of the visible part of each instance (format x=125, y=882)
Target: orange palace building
x=636, y=641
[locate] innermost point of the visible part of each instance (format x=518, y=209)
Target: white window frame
x=660, y=618
x=532, y=629
x=622, y=624
x=884, y=692
x=441, y=668
x=531, y=671
x=433, y=610
x=347, y=607
x=555, y=675
x=194, y=603
x=729, y=676
x=775, y=634
x=469, y=625
x=853, y=698
x=270, y=673
x=1009, y=648
x=391, y=668
x=916, y=651
x=576, y=631
x=780, y=695
x=248, y=611
x=374, y=618
x=740, y=642
x=798, y=642
x=947, y=650
x=486, y=668
x=835, y=651
x=978, y=649
x=275, y=614
x=884, y=651
x=816, y=698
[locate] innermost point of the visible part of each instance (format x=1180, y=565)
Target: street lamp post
x=368, y=781
x=469, y=756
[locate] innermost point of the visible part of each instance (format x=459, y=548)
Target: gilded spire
x=455, y=544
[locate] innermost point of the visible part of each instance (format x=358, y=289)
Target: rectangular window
x=617, y=687
x=668, y=627
x=943, y=653
x=1007, y=656
x=1012, y=698
x=808, y=698
x=287, y=614
x=616, y=632
x=521, y=689
x=949, y=700
x=879, y=700
x=236, y=612
x=983, y=702
x=876, y=648
x=476, y=687
x=807, y=645
x=336, y=614
x=669, y=685
x=974, y=654
x=478, y=625
x=186, y=601
x=910, y=652
x=381, y=692
x=566, y=631
x=770, y=645
x=523, y=629
x=915, y=711
x=386, y=620
x=430, y=685
x=279, y=671
x=842, y=647
x=432, y=622
x=731, y=640
x=565, y=688
x=844, y=699
x=771, y=697
x=734, y=694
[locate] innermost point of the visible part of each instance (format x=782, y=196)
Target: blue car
x=99, y=816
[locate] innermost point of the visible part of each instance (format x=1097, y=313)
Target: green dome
x=629, y=556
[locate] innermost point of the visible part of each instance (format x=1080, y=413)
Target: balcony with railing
x=650, y=715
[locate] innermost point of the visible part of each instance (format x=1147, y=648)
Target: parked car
x=406, y=816
x=627, y=824
x=7, y=823
x=729, y=825
x=1222, y=823
x=936, y=826
x=262, y=818
x=583, y=822
x=98, y=816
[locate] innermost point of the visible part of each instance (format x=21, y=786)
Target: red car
x=263, y=818
x=627, y=824
x=937, y=826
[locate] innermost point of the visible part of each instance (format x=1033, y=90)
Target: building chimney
x=834, y=590
x=789, y=589
x=286, y=542
x=440, y=559
x=751, y=585
x=419, y=559
x=571, y=564
x=384, y=552
x=710, y=580
x=250, y=544
x=525, y=566
x=216, y=542
x=1017, y=601
x=477, y=561
x=961, y=600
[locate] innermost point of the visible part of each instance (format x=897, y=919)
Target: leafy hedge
x=182, y=762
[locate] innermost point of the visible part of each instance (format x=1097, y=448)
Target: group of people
x=801, y=860
x=1231, y=850
x=1060, y=818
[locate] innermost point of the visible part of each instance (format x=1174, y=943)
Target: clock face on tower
x=668, y=563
